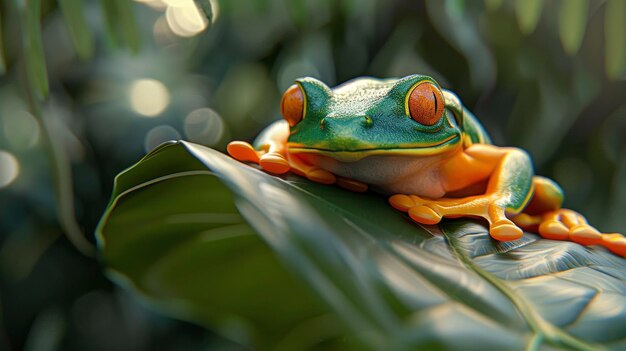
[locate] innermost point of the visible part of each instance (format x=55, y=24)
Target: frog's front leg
x=271, y=154
x=509, y=188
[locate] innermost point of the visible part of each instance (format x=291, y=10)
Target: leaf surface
x=252, y=255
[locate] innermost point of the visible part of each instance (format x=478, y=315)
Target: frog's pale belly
x=391, y=174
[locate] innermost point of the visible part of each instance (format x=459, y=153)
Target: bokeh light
x=184, y=18
x=21, y=129
x=149, y=97
x=9, y=168
x=158, y=135
x=204, y=126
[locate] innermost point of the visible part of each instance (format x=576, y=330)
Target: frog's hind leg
x=565, y=224
x=545, y=216
x=508, y=190
x=547, y=197
x=269, y=152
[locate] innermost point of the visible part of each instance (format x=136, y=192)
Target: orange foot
x=427, y=211
x=272, y=162
x=564, y=224
x=277, y=163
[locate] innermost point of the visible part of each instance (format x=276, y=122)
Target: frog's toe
x=554, y=230
x=424, y=215
x=351, y=184
x=576, y=225
x=274, y=162
x=559, y=225
x=564, y=224
x=505, y=230
x=242, y=151
x=401, y=202
x=585, y=235
x=615, y=242
x=527, y=222
x=321, y=176
x=416, y=208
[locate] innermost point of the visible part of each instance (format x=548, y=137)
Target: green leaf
x=493, y=5
x=3, y=65
x=572, y=24
x=528, y=13
x=455, y=8
x=33, y=48
x=193, y=255
x=121, y=26
x=77, y=25
x=615, y=44
x=173, y=234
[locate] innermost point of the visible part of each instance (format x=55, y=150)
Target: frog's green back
x=473, y=128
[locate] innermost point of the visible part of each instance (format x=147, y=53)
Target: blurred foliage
x=545, y=76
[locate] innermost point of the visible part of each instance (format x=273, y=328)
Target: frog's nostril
x=367, y=121
x=345, y=124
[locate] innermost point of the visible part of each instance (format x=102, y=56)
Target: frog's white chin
x=391, y=174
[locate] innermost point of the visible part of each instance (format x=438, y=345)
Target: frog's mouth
x=353, y=155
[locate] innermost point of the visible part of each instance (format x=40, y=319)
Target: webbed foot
x=272, y=162
x=564, y=224
x=276, y=163
x=428, y=211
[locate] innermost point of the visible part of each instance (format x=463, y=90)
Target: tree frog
x=415, y=141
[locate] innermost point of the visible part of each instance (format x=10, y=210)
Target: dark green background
x=526, y=89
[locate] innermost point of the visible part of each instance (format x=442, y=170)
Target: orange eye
x=292, y=105
x=425, y=104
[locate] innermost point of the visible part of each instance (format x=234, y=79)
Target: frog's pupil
x=424, y=108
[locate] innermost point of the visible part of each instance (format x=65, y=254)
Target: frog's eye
x=425, y=104
x=292, y=105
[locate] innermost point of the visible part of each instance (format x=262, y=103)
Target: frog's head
x=365, y=116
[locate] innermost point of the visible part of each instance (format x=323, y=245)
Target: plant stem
x=61, y=167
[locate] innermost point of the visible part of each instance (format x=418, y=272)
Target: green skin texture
x=368, y=114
